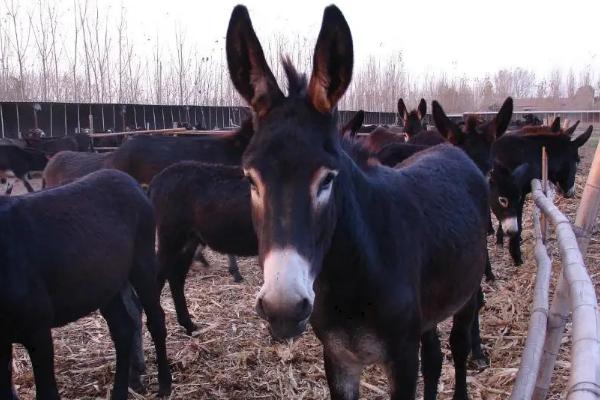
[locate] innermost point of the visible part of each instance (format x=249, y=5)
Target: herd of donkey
x=372, y=238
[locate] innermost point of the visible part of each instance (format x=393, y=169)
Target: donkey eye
x=327, y=180
x=503, y=201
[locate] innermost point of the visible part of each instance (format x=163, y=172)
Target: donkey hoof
x=479, y=363
x=135, y=384
x=490, y=277
x=164, y=390
x=518, y=260
x=238, y=278
x=190, y=328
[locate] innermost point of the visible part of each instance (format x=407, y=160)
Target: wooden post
x=590, y=204
x=543, y=223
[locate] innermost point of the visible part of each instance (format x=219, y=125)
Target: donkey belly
x=449, y=283
x=80, y=283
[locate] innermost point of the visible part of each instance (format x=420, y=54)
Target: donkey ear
x=444, y=125
x=555, y=127
x=351, y=128
x=520, y=174
x=248, y=68
x=332, y=62
x=584, y=137
x=402, y=111
x=422, y=108
x=570, y=130
x=502, y=119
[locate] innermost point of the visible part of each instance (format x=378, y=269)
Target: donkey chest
x=361, y=347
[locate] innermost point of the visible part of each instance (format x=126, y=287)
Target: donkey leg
x=479, y=361
x=199, y=256
x=402, y=369
x=460, y=345
x=234, y=269
x=499, y=236
x=122, y=331
x=343, y=378
x=26, y=183
x=9, y=188
x=431, y=363
x=146, y=287
x=181, y=265
x=137, y=364
x=175, y=254
x=7, y=390
x=41, y=352
x=489, y=273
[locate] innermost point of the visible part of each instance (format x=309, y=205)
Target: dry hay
x=232, y=356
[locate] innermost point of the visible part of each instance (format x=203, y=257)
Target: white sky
x=453, y=36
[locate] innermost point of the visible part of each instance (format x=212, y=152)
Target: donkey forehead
x=290, y=150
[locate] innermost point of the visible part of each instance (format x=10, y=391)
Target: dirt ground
x=232, y=356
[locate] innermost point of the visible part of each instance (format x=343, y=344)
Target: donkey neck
x=358, y=226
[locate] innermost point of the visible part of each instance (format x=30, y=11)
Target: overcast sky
x=454, y=36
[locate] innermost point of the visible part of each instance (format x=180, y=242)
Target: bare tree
x=43, y=43
x=19, y=41
x=571, y=84
x=555, y=84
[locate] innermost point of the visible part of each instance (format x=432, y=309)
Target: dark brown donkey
x=374, y=258
x=66, y=252
x=204, y=204
x=66, y=166
x=145, y=156
x=413, y=120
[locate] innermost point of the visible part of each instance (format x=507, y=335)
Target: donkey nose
x=299, y=311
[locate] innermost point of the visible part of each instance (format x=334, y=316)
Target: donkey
x=45, y=284
x=517, y=160
x=374, y=281
x=144, y=156
x=204, y=204
x=413, y=120
x=21, y=161
x=66, y=166
x=554, y=129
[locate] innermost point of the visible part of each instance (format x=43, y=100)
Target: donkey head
x=562, y=165
x=292, y=163
x=412, y=120
x=506, y=194
x=475, y=137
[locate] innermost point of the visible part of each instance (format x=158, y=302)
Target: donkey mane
x=297, y=82
x=472, y=122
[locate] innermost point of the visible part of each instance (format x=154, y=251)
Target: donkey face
x=506, y=194
x=564, y=167
x=292, y=163
x=412, y=120
x=474, y=137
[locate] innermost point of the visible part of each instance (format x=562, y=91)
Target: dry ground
x=232, y=356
